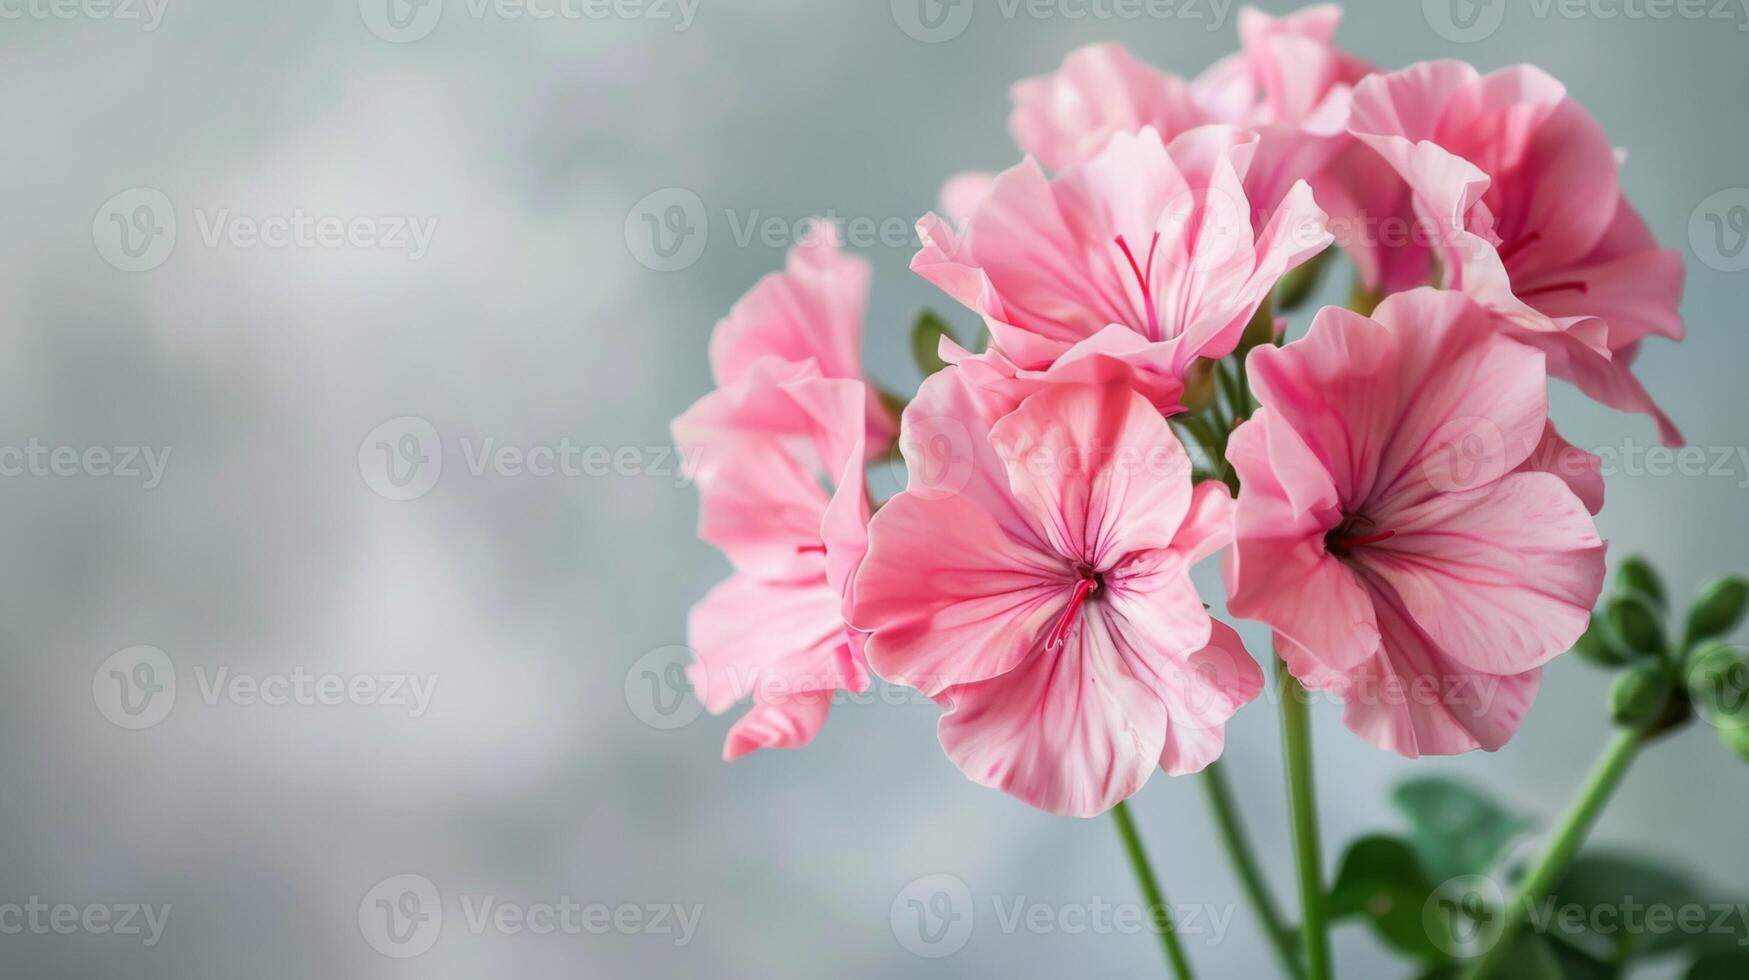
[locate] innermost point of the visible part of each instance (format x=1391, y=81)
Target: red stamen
x=1061, y=632
x=1520, y=245
x=1142, y=279
x=1557, y=287
x=803, y=549
x=1344, y=544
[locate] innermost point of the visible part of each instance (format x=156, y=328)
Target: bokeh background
x=543, y=606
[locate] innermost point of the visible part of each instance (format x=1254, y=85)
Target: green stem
x=1605, y=777
x=1297, y=749
x=1160, y=913
x=1250, y=875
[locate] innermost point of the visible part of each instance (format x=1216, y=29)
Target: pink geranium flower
x=766, y=449
x=1289, y=82
x=1398, y=528
x=812, y=310
x=1046, y=602
x=1523, y=185
x=1154, y=239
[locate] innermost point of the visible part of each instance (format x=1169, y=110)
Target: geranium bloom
x=774, y=630
x=1148, y=238
x=812, y=310
x=1523, y=184
x=1048, y=606
x=1289, y=82
x=1398, y=527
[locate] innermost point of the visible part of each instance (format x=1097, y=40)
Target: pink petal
x=1218, y=680
x=1502, y=582
x=1097, y=468
x=1580, y=470
x=813, y=310
x=1068, y=730
x=1278, y=571
x=1413, y=701
x=788, y=724
x=752, y=636
x=1066, y=118
x=950, y=597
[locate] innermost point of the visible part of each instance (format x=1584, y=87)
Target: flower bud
x=1718, y=678
x=1634, y=621
x=1596, y=647
x=1636, y=575
x=1717, y=611
x=1638, y=695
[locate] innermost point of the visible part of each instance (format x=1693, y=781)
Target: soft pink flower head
x=1410, y=525
x=1046, y=604
x=1289, y=83
x=1159, y=240
x=812, y=310
x=1522, y=184
x=1066, y=118
x=762, y=448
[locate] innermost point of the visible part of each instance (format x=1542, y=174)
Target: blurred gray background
x=265, y=360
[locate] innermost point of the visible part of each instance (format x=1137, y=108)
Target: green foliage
x=926, y=336
x=1381, y=880
x=1456, y=830
x=1617, y=884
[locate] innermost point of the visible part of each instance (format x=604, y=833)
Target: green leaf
x=1456, y=830
x=1637, y=575
x=1717, y=611
x=1634, y=620
x=1381, y=880
x=1602, y=903
x=1533, y=958
x=1597, y=647
x=1639, y=695
x=926, y=336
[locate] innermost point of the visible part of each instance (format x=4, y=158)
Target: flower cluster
x=1380, y=490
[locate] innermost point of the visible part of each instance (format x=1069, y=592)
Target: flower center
x=1090, y=582
x=1353, y=533
x=1142, y=272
